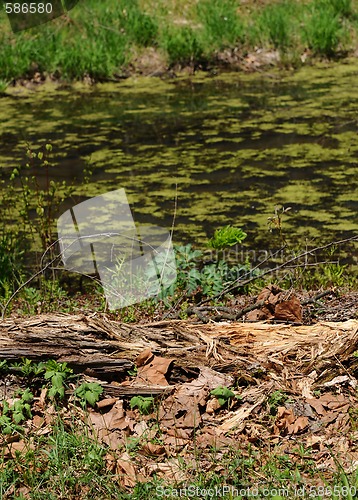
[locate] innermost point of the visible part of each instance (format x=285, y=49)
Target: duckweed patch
x=229, y=148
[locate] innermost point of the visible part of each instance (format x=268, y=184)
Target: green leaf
x=226, y=237
x=57, y=379
x=3, y=365
x=144, y=405
x=18, y=417
x=56, y=391
x=89, y=392
x=27, y=396
x=4, y=421
x=222, y=394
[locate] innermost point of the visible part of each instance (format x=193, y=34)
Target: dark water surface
x=231, y=147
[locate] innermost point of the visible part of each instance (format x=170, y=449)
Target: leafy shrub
x=194, y=275
x=57, y=373
x=89, y=392
x=145, y=405
x=223, y=395
x=227, y=236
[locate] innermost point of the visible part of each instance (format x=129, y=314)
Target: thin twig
x=257, y=305
x=317, y=297
x=235, y=315
x=196, y=310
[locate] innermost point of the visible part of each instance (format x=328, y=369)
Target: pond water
x=230, y=147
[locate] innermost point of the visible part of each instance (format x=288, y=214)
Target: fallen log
x=107, y=349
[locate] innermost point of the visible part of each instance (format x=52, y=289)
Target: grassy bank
x=104, y=40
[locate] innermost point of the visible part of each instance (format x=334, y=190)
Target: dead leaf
x=144, y=357
x=38, y=421
x=329, y=417
x=42, y=399
x=208, y=437
x=316, y=405
x=179, y=413
x=284, y=418
x=174, y=443
x=237, y=421
x=18, y=447
x=328, y=397
x=115, y=419
x=207, y=380
x=314, y=440
x=113, y=440
x=151, y=449
x=179, y=433
x=277, y=306
x=153, y=370
x=124, y=468
x=298, y=425
x=104, y=403
x=140, y=428
x=212, y=405
x=337, y=381
x=172, y=471
x=289, y=310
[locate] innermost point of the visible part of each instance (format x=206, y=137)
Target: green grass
x=222, y=26
x=100, y=39
x=12, y=249
x=3, y=86
x=323, y=30
x=277, y=25
x=68, y=463
x=182, y=45
x=61, y=465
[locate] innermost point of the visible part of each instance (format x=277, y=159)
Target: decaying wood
x=120, y=391
x=104, y=348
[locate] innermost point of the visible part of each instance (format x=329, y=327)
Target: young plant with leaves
x=57, y=373
x=89, y=392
